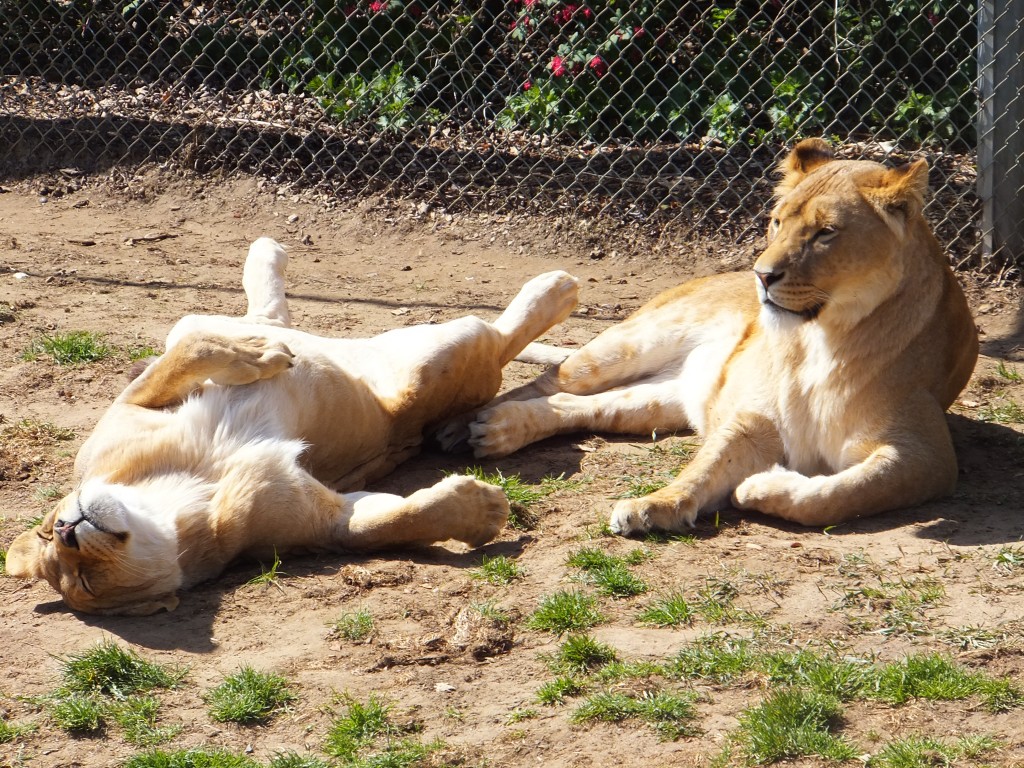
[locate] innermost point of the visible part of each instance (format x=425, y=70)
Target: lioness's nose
x=768, y=276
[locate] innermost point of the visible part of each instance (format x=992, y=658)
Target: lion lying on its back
x=818, y=384
x=234, y=440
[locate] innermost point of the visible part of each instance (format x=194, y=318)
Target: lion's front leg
x=198, y=357
x=899, y=473
x=747, y=444
x=459, y=507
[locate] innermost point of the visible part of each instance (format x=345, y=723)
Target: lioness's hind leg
x=263, y=280
x=543, y=302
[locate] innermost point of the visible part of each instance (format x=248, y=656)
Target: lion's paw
x=250, y=359
x=482, y=510
x=499, y=431
x=632, y=517
x=781, y=493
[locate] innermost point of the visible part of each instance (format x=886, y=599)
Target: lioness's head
x=102, y=555
x=840, y=235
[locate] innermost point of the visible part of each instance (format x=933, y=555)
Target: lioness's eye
x=773, y=227
x=825, y=234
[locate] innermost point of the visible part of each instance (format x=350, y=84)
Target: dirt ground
x=128, y=259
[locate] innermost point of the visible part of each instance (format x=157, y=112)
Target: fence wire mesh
x=672, y=113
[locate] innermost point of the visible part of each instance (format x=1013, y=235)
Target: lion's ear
x=899, y=194
x=806, y=156
x=24, y=556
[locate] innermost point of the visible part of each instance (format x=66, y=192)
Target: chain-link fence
x=654, y=111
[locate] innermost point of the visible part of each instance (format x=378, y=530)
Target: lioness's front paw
x=782, y=493
x=631, y=517
x=250, y=359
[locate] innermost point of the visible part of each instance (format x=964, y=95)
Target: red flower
x=638, y=32
x=598, y=65
x=557, y=66
x=378, y=5
x=527, y=85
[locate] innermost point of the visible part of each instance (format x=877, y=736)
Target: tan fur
x=233, y=442
x=818, y=383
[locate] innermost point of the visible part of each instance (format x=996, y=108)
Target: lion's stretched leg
x=748, y=444
x=197, y=357
x=507, y=426
x=263, y=279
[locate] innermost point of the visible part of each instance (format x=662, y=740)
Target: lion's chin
x=807, y=313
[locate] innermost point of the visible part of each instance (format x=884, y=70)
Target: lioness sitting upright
x=234, y=441
x=818, y=383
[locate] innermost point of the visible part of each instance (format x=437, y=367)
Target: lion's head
x=840, y=235
x=100, y=554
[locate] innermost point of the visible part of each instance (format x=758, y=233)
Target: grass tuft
x=581, y=654
x=669, y=713
x=558, y=690
x=248, y=696
x=190, y=758
x=565, y=611
x=791, y=723
x=498, y=570
x=673, y=610
x=925, y=752
x=114, y=671
x=355, y=626
x=610, y=574
x=72, y=348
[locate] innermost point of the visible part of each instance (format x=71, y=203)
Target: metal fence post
x=1001, y=128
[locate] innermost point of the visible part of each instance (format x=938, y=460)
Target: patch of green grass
x=928, y=752
x=1009, y=558
x=558, y=690
x=248, y=696
x=791, y=723
x=718, y=658
x=899, y=605
x=137, y=717
x=13, y=731
x=497, y=570
x=1005, y=412
x=190, y=758
x=491, y=611
x=354, y=626
x=936, y=677
x=79, y=713
x=295, y=760
x=670, y=714
x=673, y=610
x=141, y=352
x=38, y=431
x=112, y=670
x=643, y=485
x=610, y=574
x=520, y=715
x=581, y=654
x=565, y=611
x=358, y=726
x=968, y=637
x=72, y=348
x=843, y=679
x=269, y=577
x=1008, y=373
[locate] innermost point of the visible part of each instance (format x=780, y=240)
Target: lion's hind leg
x=263, y=279
x=543, y=302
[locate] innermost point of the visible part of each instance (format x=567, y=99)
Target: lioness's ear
x=23, y=557
x=902, y=189
x=805, y=157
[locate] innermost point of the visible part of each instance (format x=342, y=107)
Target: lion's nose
x=768, y=277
